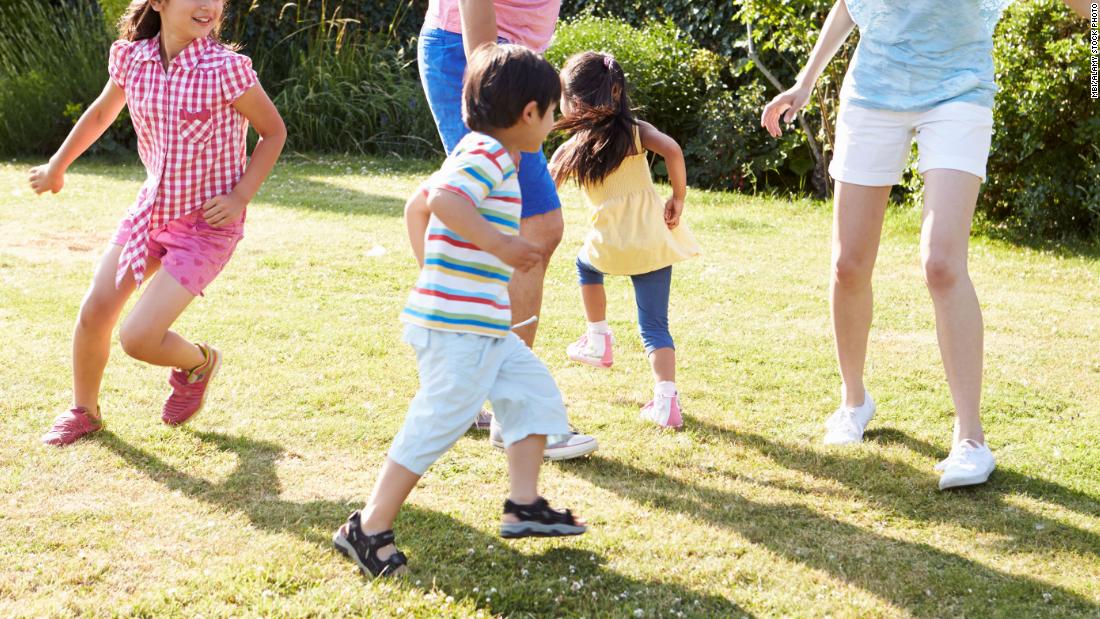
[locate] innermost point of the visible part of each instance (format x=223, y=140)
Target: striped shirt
x=461, y=287
x=190, y=138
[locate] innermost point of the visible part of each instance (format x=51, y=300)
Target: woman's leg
x=857, y=227
x=145, y=333
x=92, y=337
x=949, y=200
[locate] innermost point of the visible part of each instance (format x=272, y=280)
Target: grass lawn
x=743, y=513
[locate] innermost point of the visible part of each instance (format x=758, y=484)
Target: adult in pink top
x=529, y=23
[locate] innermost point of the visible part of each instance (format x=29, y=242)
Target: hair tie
x=608, y=62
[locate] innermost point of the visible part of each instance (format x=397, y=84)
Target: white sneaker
x=968, y=464
x=847, y=424
x=558, y=446
x=593, y=349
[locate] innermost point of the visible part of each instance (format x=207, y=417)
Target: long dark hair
x=139, y=21
x=599, y=117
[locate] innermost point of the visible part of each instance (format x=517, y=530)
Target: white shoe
x=558, y=446
x=847, y=424
x=968, y=464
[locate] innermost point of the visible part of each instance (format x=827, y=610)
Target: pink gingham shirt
x=190, y=138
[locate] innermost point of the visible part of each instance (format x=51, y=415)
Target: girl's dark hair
x=599, y=117
x=139, y=21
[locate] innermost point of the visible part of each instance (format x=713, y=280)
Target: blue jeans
x=442, y=62
x=651, y=292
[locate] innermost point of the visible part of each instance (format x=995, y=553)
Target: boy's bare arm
x=417, y=215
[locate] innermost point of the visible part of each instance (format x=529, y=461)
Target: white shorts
x=458, y=372
x=872, y=146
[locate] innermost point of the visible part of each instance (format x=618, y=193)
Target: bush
x=274, y=31
x=1044, y=167
x=53, y=62
x=356, y=98
x=730, y=151
x=667, y=78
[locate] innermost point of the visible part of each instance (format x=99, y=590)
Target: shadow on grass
x=912, y=493
x=449, y=555
x=917, y=577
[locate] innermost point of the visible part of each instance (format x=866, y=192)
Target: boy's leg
x=455, y=369
x=524, y=462
x=528, y=407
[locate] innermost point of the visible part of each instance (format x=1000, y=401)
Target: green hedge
x=53, y=63
x=1044, y=167
x=340, y=73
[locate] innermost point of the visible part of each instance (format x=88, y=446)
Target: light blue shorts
x=458, y=372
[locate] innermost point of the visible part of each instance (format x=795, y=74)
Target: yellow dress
x=629, y=235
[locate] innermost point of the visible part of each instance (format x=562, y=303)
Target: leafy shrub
x=1044, y=166
x=730, y=151
x=53, y=62
x=355, y=98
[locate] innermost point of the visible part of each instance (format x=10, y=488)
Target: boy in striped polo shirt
x=458, y=319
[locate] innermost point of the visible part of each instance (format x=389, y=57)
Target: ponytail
x=600, y=119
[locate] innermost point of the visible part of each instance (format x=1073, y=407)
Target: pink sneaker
x=71, y=425
x=189, y=389
x=664, y=411
x=592, y=349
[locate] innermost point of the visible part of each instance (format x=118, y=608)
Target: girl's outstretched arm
x=479, y=24
x=257, y=107
x=417, y=215
x=93, y=122
x=666, y=147
x=838, y=25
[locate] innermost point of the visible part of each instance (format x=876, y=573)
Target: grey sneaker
x=483, y=421
x=558, y=446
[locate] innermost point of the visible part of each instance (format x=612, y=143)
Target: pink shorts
x=192, y=251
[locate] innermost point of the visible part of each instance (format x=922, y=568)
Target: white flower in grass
x=639, y=612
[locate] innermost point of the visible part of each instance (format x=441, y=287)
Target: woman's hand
x=787, y=104
x=46, y=178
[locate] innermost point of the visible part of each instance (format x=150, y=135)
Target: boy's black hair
x=500, y=81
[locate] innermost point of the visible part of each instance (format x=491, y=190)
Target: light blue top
x=916, y=54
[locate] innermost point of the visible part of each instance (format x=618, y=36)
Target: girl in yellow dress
x=634, y=231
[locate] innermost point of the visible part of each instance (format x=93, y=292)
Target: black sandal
x=363, y=549
x=539, y=520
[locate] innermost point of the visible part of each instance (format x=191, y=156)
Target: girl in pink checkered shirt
x=191, y=99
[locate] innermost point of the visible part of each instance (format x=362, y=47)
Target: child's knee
x=137, y=340
x=655, y=335
x=97, y=311
x=587, y=275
